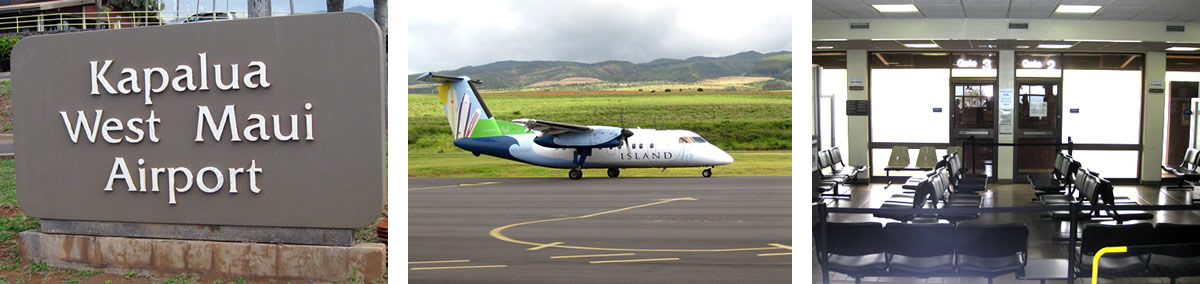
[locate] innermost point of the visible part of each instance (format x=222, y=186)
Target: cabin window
x=651, y=145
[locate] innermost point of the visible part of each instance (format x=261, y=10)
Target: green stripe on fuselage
x=491, y=127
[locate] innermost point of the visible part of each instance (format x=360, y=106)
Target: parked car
x=210, y=16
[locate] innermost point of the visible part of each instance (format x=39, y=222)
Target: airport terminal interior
x=1006, y=141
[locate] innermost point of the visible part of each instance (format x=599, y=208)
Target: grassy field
x=755, y=120
x=467, y=165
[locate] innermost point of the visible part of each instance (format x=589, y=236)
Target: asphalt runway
x=600, y=230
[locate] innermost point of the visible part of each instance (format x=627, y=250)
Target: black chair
x=1053, y=182
x=854, y=249
x=1114, y=265
x=835, y=156
x=964, y=182
x=920, y=250
x=1186, y=170
x=1104, y=194
x=991, y=250
x=1179, y=260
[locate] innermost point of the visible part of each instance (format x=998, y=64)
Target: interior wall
x=1153, y=110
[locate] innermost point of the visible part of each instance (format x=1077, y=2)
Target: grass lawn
x=467, y=165
x=732, y=120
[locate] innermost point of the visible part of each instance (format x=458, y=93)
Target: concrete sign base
x=165, y=258
x=276, y=235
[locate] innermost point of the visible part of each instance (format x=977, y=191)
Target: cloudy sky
x=449, y=36
x=240, y=5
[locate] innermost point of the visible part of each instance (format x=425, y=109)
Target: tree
x=150, y=6
x=258, y=8
x=699, y=89
x=334, y=5
x=667, y=90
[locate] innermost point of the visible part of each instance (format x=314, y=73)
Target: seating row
x=1170, y=250
x=924, y=250
x=1186, y=170
x=839, y=172
x=1084, y=186
x=941, y=188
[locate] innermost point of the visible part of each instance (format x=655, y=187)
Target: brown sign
x=258, y=122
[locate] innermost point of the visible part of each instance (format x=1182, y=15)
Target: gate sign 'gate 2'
x=258, y=122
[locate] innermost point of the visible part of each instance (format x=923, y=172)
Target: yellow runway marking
x=438, y=261
x=634, y=260
x=774, y=254
x=592, y=255
x=498, y=232
x=458, y=267
x=544, y=246
x=781, y=246
x=458, y=185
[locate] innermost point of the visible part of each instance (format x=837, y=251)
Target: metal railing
x=114, y=19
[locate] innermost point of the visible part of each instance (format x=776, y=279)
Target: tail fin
x=468, y=115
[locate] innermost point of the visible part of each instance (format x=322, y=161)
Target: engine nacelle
x=599, y=137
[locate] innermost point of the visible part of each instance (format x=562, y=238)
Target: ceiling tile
x=857, y=12
x=993, y=3
x=1131, y=4
x=938, y=2
x=1084, y=2
x=819, y=13
x=1119, y=11
x=1033, y=3
x=986, y=15
x=941, y=8
x=945, y=15
x=836, y=3
x=1028, y=15
x=1151, y=17
x=1112, y=17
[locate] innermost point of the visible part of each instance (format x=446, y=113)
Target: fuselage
x=647, y=148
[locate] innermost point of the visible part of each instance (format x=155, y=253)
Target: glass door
x=973, y=122
x=1038, y=121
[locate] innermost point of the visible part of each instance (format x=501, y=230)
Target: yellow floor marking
x=781, y=246
x=774, y=254
x=438, y=261
x=634, y=260
x=458, y=267
x=544, y=246
x=593, y=255
x=458, y=185
x=497, y=232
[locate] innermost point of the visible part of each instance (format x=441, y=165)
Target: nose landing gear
x=614, y=172
x=707, y=172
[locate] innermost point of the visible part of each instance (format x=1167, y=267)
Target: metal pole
x=176, y=10
x=823, y=215
x=1070, y=147
x=291, y=7
x=1075, y=210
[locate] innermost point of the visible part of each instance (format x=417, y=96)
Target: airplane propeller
x=625, y=134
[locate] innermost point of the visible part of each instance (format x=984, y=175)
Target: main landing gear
x=613, y=172
x=578, y=158
x=707, y=172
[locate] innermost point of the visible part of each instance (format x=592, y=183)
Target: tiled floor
x=1040, y=230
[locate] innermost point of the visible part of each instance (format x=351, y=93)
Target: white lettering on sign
x=186, y=180
x=155, y=80
x=966, y=63
x=1037, y=64
x=255, y=78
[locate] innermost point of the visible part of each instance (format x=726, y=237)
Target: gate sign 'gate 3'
x=259, y=122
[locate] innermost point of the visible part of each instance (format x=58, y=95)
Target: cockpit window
x=686, y=140
x=699, y=140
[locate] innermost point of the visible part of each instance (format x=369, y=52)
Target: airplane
x=563, y=145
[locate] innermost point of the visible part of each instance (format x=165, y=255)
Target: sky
x=240, y=5
x=446, y=37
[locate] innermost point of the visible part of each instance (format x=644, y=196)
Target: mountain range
x=518, y=74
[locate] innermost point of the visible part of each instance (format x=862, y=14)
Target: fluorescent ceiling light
x=921, y=45
x=1183, y=48
x=1077, y=9
x=824, y=47
x=899, y=8
x=987, y=46
x=831, y=39
x=1054, y=45
x=1022, y=46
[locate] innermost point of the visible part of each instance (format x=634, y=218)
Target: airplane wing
x=552, y=128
